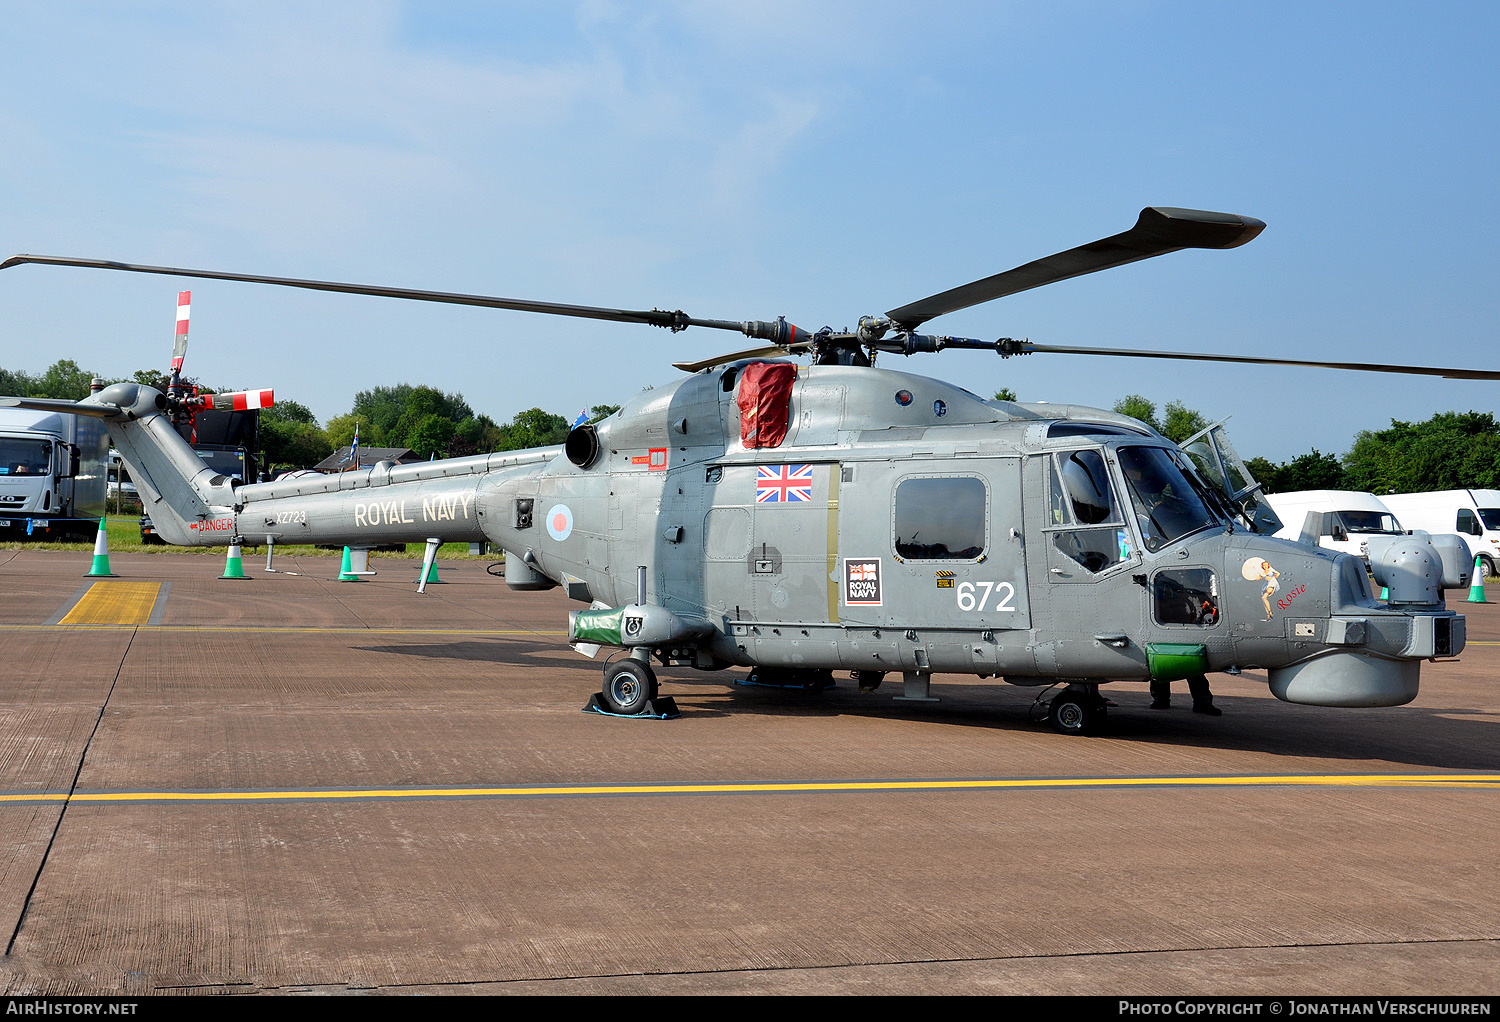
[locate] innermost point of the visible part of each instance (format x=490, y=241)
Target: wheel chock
x=793, y=678
x=660, y=708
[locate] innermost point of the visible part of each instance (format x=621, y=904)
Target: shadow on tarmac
x=1445, y=738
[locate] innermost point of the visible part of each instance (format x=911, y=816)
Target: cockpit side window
x=1086, y=484
x=1086, y=523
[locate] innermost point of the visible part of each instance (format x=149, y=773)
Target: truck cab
x=52, y=475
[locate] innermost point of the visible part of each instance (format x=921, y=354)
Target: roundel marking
x=560, y=522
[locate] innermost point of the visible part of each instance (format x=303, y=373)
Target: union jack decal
x=783, y=484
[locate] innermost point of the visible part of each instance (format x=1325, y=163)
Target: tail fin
x=177, y=490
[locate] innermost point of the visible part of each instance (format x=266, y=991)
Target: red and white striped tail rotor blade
x=240, y=400
x=179, y=345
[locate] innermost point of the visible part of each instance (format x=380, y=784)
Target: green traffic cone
x=346, y=571
x=233, y=568
x=100, y=568
x=432, y=574
x=1476, y=587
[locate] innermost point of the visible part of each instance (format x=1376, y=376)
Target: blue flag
x=583, y=417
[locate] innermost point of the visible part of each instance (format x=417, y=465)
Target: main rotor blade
x=735, y=356
x=653, y=317
x=1159, y=230
x=45, y=404
x=1026, y=348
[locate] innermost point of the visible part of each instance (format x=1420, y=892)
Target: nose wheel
x=629, y=686
x=1078, y=710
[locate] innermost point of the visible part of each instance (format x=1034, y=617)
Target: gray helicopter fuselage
x=903, y=524
x=836, y=579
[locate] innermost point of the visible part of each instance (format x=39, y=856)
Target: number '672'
x=971, y=600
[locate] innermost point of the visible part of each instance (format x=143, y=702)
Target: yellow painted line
x=114, y=603
x=1491, y=781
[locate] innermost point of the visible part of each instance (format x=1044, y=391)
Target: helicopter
x=801, y=519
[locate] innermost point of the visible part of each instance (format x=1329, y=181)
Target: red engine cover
x=765, y=400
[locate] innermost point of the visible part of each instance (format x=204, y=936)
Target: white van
x=1473, y=514
x=1343, y=519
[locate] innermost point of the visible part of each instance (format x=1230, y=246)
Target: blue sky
x=820, y=161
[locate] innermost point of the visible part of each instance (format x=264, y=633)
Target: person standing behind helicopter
x=1203, y=699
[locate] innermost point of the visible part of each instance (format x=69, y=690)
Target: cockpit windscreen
x=1168, y=503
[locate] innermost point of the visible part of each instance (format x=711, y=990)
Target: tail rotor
x=183, y=400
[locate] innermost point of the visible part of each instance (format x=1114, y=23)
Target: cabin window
x=1468, y=524
x=940, y=518
x=1185, y=596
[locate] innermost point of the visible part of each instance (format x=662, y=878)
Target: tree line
x=1450, y=451
x=424, y=419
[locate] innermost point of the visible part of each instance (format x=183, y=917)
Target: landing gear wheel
x=1077, y=712
x=629, y=686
